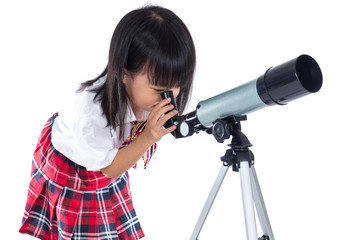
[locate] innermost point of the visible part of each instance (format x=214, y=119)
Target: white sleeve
x=80, y=133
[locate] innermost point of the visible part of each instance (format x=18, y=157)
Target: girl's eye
x=159, y=90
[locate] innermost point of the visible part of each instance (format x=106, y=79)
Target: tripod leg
x=260, y=206
x=209, y=202
x=248, y=203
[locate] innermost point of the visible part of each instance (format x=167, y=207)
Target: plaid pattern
x=138, y=127
x=65, y=201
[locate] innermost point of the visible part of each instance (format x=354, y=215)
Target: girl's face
x=144, y=96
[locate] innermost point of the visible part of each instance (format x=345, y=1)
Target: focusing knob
x=221, y=130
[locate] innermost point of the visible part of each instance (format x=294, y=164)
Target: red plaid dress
x=65, y=201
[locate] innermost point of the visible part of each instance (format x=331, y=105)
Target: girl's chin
x=149, y=109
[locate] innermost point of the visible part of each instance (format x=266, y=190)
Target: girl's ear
x=126, y=76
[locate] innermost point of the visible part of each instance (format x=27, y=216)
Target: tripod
x=240, y=157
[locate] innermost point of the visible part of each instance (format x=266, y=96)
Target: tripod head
x=239, y=148
x=222, y=129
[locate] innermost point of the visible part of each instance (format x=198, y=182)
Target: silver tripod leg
x=260, y=206
x=251, y=194
x=248, y=202
x=209, y=202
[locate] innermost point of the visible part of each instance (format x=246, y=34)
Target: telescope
x=222, y=114
x=277, y=86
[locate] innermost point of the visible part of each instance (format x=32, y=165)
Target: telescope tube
x=277, y=86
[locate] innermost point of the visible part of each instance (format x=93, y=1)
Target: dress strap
x=137, y=128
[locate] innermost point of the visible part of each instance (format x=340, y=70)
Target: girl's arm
x=153, y=132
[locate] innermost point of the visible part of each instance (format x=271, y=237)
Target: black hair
x=150, y=38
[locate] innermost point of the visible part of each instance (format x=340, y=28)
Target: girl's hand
x=154, y=129
x=126, y=157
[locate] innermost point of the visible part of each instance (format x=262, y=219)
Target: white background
x=307, y=153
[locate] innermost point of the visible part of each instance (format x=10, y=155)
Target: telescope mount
x=241, y=159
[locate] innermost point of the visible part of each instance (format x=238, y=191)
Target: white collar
x=130, y=116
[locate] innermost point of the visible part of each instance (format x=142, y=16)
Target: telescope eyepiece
x=173, y=120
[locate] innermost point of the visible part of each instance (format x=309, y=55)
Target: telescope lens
x=309, y=73
x=289, y=81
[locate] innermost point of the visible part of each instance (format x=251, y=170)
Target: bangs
x=169, y=73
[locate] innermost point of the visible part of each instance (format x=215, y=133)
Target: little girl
x=79, y=185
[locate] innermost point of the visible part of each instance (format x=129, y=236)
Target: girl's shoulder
x=83, y=107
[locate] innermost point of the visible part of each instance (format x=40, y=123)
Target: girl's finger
x=160, y=112
x=159, y=106
x=167, y=116
x=169, y=129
